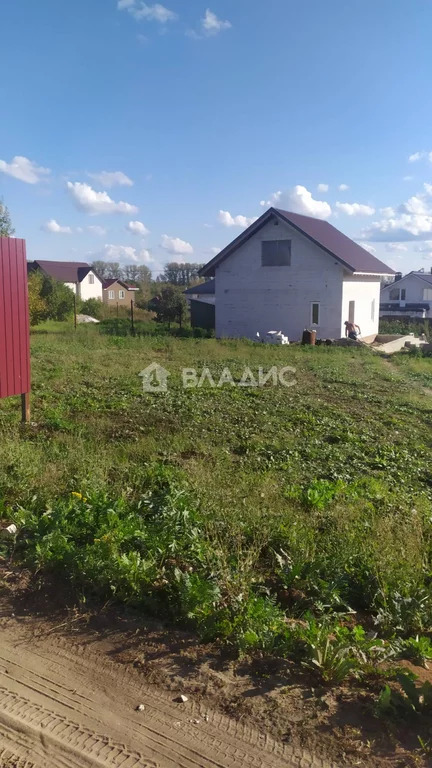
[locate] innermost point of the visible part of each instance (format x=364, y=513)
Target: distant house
x=287, y=272
x=201, y=299
x=77, y=275
x=116, y=291
x=409, y=296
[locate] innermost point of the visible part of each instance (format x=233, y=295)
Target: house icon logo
x=154, y=378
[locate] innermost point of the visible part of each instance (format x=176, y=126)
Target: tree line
x=52, y=300
x=176, y=273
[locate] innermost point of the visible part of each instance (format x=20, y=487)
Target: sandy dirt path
x=64, y=704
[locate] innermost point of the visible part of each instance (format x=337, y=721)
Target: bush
x=59, y=299
x=92, y=307
x=38, y=309
x=405, y=326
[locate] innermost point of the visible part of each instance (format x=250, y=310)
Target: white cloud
x=137, y=228
x=175, y=245
x=411, y=220
x=24, y=169
x=110, y=179
x=408, y=178
x=274, y=199
x=215, y=250
x=355, y=209
x=211, y=25
x=402, y=227
x=125, y=254
x=95, y=229
x=53, y=226
x=415, y=157
x=141, y=11
x=392, y=247
x=343, y=187
x=387, y=212
x=299, y=200
x=88, y=200
x=228, y=220
x=323, y=187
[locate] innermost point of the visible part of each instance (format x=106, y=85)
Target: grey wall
x=251, y=298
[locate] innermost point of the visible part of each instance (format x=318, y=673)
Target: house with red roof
x=288, y=272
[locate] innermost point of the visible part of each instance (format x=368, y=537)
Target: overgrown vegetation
x=122, y=326
x=294, y=522
x=405, y=326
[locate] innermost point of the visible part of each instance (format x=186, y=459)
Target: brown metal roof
x=64, y=271
x=351, y=255
x=111, y=280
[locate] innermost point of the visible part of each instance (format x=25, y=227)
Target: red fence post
x=14, y=322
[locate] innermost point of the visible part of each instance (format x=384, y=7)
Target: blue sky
x=147, y=132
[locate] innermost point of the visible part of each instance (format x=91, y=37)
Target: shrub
x=92, y=307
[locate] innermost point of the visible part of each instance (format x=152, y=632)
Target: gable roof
x=111, y=280
x=64, y=271
x=351, y=255
x=208, y=287
x=425, y=276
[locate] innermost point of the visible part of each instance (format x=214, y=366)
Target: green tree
x=181, y=273
x=6, y=228
x=92, y=307
x=58, y=298
x=101, y=269
x=38, y=308
x=114, y=270
x=172, y=306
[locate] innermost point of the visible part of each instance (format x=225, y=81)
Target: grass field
x=288, y=521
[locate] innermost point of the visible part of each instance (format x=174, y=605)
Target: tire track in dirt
x=71, y=706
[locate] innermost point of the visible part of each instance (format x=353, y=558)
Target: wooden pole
x=25, y=407
x=75, y=313
x=132, y=318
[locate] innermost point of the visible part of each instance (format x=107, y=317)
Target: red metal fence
x=14, y=319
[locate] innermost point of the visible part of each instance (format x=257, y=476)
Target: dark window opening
x=315, y=313
x=276, y=253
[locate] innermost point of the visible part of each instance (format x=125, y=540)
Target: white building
x=409, y=296
x=288, y=272
x=77, y=275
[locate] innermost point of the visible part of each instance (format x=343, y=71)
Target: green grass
x=236, y=510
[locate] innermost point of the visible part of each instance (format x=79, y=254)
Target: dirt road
x=66, y=705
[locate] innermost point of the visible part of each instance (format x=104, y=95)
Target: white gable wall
x=251, y=298
x=363, y=291
x=72, y=286
x=89, y=290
